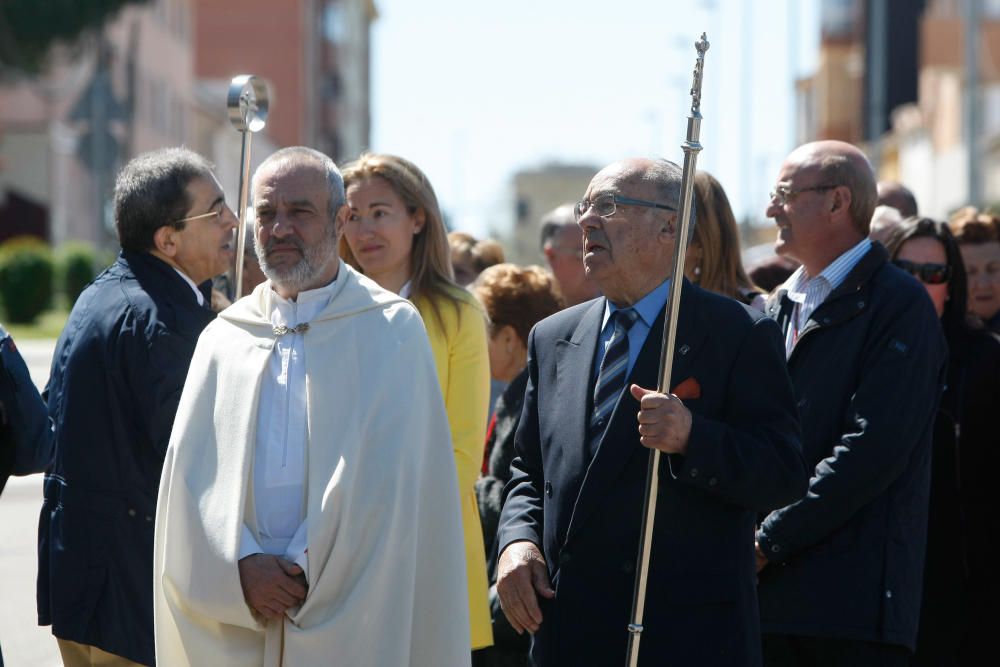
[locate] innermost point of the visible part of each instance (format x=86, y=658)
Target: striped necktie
x=611, y=377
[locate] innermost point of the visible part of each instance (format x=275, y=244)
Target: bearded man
x=307, y=514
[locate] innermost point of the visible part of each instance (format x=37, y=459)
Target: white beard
x=304, y=273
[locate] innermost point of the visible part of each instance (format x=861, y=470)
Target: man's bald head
x=898, y=196
x=842, y=164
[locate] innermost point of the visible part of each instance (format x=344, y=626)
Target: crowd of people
x=399, y=449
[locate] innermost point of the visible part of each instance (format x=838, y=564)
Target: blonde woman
x=396, y=236
x=713, y=258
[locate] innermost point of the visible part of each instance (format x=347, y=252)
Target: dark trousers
x=791, y=651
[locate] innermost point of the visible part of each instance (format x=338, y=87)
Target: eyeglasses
x=783, y=194
x=604, y=205
x=211, y=214
x=929, y=274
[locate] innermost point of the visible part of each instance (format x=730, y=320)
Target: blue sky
x=473, y=91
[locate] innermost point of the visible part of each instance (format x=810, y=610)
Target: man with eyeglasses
x=841, y=569
x=116, y=378
x=562, y=245
x=570, y=525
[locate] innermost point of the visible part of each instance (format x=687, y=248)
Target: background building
x=535, y=192
x=916, y=84
x=156, y=74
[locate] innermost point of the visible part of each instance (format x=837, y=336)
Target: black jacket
x=25, y=428
x=868, y=368
x=960, y=578
x=743, y=457
x=117, y=375
x=509, y=648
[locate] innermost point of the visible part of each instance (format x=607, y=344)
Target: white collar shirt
x=809, y=293
x=280, y=453
x=197, y=292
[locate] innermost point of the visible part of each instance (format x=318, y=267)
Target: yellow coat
x=458, y=341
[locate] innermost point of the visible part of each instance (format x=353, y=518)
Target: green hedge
x=26, y=274
x=76, y=267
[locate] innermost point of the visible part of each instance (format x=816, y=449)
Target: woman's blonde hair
x=718, y=237
x=431, y=274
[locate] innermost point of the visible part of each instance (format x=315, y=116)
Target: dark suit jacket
x=743, y=457
x=117, y=375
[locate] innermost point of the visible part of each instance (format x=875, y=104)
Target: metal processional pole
x=691, y=148
x=247, y=105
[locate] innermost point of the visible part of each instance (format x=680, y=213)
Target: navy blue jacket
x=743, y=457
x=116, y=379
x=25, y=428
x=868, y=368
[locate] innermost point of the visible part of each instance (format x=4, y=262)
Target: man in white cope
x=309, y=511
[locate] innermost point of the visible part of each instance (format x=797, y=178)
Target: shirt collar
x=838, y=269
x=648, y=307
x=197, y=292
x=306, y=296
x=833, y=274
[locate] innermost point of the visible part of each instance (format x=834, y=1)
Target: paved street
x=24, y=643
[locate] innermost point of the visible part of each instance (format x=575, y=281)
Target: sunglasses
x=929, y=274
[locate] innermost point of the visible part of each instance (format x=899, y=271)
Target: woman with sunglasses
x=396, y=236
x=960, y=579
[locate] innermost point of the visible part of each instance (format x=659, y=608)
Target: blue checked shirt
x=808, y=293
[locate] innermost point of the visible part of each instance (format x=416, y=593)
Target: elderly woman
x=978, y=236
x=713, y=259
x=515, y=299
x=395, y=235
x=960, y=577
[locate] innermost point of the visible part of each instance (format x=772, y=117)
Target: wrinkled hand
x=761, y=558
x=521, y=576
x=271, y=585
x=664, y=422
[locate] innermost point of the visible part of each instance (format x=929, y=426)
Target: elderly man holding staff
x=570, y=525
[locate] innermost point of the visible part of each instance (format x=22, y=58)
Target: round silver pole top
x=247, y=103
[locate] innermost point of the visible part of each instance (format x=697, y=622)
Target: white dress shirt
x=279, y=471
x=808, y=293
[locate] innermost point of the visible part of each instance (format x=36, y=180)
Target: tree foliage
x=30, y=28
x=26, y=271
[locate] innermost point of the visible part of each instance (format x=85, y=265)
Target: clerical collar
x=197, y=292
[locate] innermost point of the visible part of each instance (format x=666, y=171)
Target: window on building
x=334, y=22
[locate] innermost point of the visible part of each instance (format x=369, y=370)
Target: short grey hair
x=859, y=177
x=296, y=154
x=667, y=177
x=555, y=220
